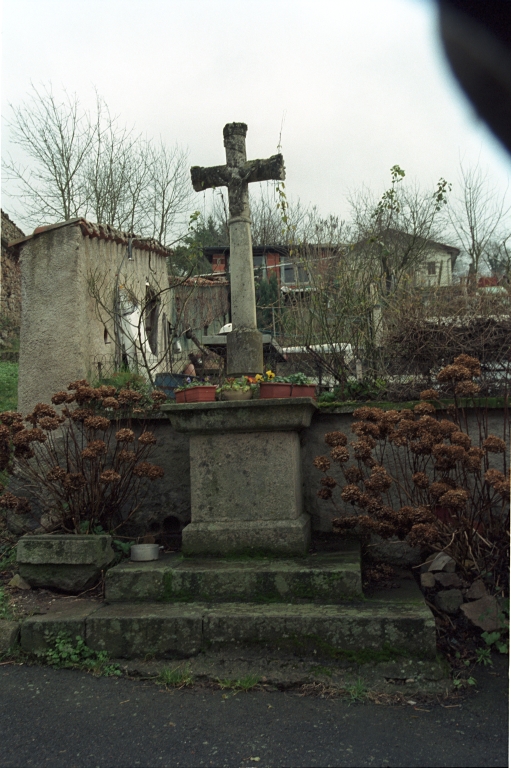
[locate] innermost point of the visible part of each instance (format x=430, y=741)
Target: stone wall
x=10, y=284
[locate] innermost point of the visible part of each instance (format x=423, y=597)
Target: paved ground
x=66, y=718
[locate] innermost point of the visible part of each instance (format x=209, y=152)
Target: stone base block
x=323, y=577
x=127, y=631
x=284, y=538
x=9, y=631
x=37, y=631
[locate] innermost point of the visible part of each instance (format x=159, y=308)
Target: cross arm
x=264, y=170
x=205, y=178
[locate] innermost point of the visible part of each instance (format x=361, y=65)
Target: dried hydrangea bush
x=84, y=464
x=418, y=476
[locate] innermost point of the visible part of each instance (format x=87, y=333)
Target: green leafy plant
x=63, y=654
x=179, y=677
x=241, y=684
x=498, y=639
x=190, y=383
x=298, y=379
x=357, y=691
x=240, y=384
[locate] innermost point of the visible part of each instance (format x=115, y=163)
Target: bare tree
x=479, y=217
x=57, y=136
x=88, y=164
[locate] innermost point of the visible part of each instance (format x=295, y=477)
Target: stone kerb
x=246, y=476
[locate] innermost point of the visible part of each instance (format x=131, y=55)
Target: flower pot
x=205, y=394
x=268, y=390
x=303, y=390
x=143, y=552
x=235, y=394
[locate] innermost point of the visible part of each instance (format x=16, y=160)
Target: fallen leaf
x=173, y=724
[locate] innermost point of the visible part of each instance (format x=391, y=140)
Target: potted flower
x=301, y=386
x=195, y=391
x=271, y=386
x=241, y=388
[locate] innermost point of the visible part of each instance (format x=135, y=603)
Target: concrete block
x=285, y=538
x=128, y=631
x=68, y=618
x=9, y=632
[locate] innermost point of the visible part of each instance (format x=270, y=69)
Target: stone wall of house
x=10, y=284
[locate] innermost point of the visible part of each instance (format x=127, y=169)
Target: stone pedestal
x=245, y=472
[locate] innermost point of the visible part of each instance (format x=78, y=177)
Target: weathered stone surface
x=284, y=538
x=447, y=579
x=427, y=580
x=325, y=577
x=449, y=600
x=244, y=352
x=282, y=414
x=18, y=582
x=127, y=631
x=70, y=563
x=67, y=618
x=9, y=631
x=442, y=562
x=483, y=613
x=477, y=590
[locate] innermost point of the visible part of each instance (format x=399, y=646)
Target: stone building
x=94, y=300
x=10, y=284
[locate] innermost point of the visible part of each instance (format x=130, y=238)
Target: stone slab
x=126, y=630
x=60, y=549
x=325, y=577
x=69, y=618
x=282, y=414
x=284, y=538
x=239, y=477
x=9, y=631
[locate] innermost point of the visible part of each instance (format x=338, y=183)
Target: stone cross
x=244, y=343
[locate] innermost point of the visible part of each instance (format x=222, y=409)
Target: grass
x=8, y=386
x=179, y=677
x=241, y=684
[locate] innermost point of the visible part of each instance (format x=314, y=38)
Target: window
x=431, y=267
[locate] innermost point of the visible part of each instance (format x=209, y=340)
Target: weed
x=357, y=691
x=242, y=684
x=483, y=656
x=5, y=610
x=497, y=639
x=62, y=654
x=320, y=670
x=177, y=678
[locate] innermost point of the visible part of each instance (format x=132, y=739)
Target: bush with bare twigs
x=84, y=464
x=420, y=477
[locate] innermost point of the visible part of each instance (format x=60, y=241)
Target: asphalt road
x=67, y=718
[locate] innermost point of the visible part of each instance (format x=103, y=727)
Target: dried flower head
x=447, y=427
x=109, y=476
x=422, y=409
x=438, y=489
x=447, y=456
x=328, y=482
x=85, y=395
x=74, y=482
x=129, y=397
x=43, y=409
x=336, y=438
x=94, y=449
x=145, y=469
x=110, y=402
x=158, y=397
x=125, y=436
x=498, y=481
x=107, y=390
x=97, y=423
x=126, y=456
x=363, y=428
x=147, y=438
x=494, y=444
x=454, y=373
x=423, y=535
x=353, y=474
x=322, y=463
x=340, y=455
x=79, y=414
x=472, y=363
x=351, y=493
x=420, y=480
x=8, y=500
x=9, y=417
x=423, y=446
x=78, y=384
x=461, y=438
x=56, y=474
x=325, y=493
x=49, y=424
x=429, y=394
x=379, y=481
x=467, y=389
x=367, y=414
x=362, y=448
x=454, y=499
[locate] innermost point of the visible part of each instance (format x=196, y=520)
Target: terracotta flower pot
x=235, y=394
x=205, y=394
x=268, y=390
x=303, y=390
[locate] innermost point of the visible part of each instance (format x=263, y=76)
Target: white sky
x=361, y=86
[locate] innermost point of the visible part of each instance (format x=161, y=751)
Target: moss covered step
x=364, y=631
x=325, y=578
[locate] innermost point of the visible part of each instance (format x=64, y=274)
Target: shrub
x=419, y=477
x=85, y=464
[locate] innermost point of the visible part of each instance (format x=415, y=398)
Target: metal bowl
x=145, y=552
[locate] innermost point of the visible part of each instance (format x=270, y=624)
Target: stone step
x=401, y=623
x=323, y=578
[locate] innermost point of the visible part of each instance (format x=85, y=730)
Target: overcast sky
x=356, y=86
